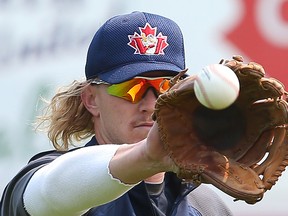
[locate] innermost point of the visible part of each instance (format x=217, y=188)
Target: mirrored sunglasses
x=134, y=89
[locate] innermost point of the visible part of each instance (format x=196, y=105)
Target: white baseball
x=216, y=86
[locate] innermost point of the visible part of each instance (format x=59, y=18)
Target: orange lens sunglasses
x=134, y=89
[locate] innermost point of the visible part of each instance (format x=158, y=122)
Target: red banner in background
x=262, y=35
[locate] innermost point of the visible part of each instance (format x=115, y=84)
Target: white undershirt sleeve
x=73, y=183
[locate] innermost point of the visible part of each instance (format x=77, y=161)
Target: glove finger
x=237, y=180
x=277, y=159
x=258, y=150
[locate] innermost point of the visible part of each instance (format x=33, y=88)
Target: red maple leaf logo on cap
x=262, y=35
x=147, y=43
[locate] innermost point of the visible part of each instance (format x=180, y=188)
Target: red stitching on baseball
x=204, y=93
x=228, y=81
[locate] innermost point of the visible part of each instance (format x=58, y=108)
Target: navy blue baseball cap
x=129, y=45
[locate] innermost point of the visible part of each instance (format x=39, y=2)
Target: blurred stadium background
x=43, y=45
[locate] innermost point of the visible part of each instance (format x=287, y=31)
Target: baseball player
x=124, y=168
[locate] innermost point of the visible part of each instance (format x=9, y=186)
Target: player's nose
x=148, y=100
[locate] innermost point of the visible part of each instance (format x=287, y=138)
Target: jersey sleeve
x=12, y=199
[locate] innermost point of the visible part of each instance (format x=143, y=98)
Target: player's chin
x=141, y=131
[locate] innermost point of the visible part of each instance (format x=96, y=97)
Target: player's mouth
x=144, y=124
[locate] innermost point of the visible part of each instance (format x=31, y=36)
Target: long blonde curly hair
x=65, y=118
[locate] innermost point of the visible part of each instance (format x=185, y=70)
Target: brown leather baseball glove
x=243, y=149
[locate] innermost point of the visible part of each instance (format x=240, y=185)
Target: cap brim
x=127, y=72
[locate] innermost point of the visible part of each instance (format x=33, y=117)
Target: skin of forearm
x=132, y=163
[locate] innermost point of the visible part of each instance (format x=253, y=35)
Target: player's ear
x=89, y=99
